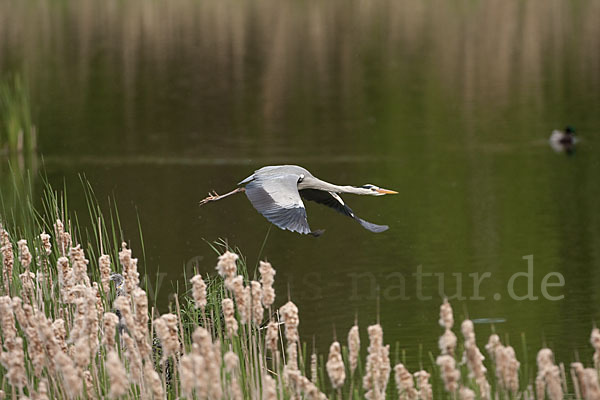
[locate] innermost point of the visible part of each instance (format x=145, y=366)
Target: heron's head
x=376, y=190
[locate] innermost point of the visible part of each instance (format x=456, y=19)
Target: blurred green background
x=449, y=102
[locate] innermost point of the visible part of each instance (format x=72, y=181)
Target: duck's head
x=376, y=190
x=569, y=130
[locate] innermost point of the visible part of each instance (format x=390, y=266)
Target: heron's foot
x=212, y=196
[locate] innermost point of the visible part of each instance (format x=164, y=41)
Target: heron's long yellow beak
x=386, y=191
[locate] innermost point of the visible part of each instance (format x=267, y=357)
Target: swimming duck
x=563, y=140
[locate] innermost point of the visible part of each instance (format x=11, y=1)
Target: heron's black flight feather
x=330, y=200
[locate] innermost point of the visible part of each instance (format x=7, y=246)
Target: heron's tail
x=317, y=233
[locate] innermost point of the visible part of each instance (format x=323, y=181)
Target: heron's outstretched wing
x=334, y=201
x=277, y=198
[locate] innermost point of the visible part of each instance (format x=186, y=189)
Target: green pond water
x=450, y=103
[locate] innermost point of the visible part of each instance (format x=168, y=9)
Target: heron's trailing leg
x=214, y=196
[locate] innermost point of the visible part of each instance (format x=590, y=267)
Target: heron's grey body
x=277, y=192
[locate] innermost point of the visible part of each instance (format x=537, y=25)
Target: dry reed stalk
x=353, y=348
x=378, y=365
x=289, y=314
x=267, y=278
x=117, y=375
x=405, y=383
x=130, y=272
x=450, y=374
x=231, y=324
x=474, y=359
x=166, y=331
x=8, y=259
x=548, y=379
x=425, y=390
x=104, y=267
x=578, y=379
x=199, y=291
x=595, y=341
x=256, y=295
x=335, y=366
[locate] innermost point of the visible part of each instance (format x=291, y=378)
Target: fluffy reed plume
x=24, y=254
x=267, y=278
x=447, y=342
x=289, y=314
x=231, y=324
x=299, y=384
x=227, y=267
x=465, y=393
x=405, y=383
x=140, y=333
x=199, y=291
x=134, y=358
x=14, y=363
x=450, y=374
x=548, y=379
x=6, y=250
x=257, y=307
x=46, y=244
x=104, y=267
x=71, y=375
x=28, y=322
x=211, y=353
x=269, y=391
x=242, y=297
x=119, y=384
x=110, y=323
x=65, y=279
x=153, y=381
x=187, y=375
x=425, y=389
x=353, y=348
x=577, y=374
x=272, y=336
x=474, y=359
x=335, y=366
x=166, y=331
x=63, y=237
x=130, y=272
x=378, y=365
x=232, y=366
x=79, y=266
x=595, y=341
x=590, y=383
x=506, y=364
x=89, y=385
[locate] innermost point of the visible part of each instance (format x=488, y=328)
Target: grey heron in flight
x=277, y=192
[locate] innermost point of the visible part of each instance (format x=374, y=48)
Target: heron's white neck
x=330, y=187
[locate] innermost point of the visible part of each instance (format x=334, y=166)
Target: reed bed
x=76, y=323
